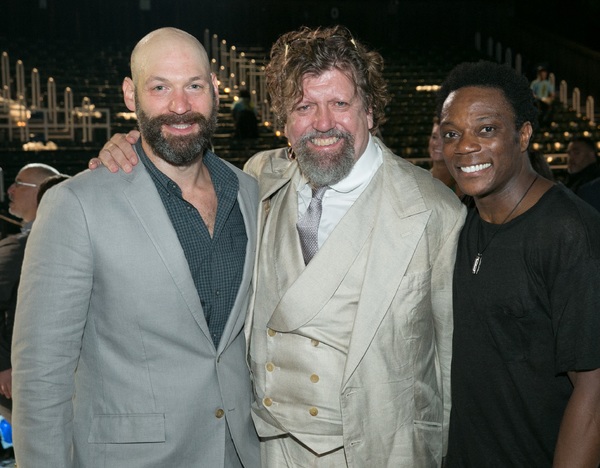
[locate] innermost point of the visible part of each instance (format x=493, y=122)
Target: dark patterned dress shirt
x=216, y=263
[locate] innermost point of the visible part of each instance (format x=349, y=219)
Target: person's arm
x=117, y=153
x=578, y=442
x=6, y=383
x=53, y=301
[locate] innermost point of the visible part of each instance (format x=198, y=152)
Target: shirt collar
x=158, y=176
x=222, y=176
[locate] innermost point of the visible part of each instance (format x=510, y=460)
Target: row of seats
x=97, y=74
x=411, y=112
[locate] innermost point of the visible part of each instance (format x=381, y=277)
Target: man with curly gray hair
x=349, y=338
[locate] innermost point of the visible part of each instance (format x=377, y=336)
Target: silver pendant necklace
x=479, y=256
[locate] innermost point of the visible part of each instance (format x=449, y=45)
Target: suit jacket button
x=271, y=332
x=219, y=413
x=267, y=401
x=313, y=411
x=314, y=378
x=314, y=342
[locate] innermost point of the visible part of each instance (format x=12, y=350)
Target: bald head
x=23, y=193
x=162, y=43
x=174, y=95
x=39, y=171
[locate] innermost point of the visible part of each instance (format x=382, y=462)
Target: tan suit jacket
x=395, y=393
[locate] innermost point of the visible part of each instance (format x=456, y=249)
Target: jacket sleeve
x=51, y=314
x=442, y=274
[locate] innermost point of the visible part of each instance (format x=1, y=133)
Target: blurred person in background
x=439, y=170
x=583, y=165
x=543, y=92
x=244, y=116
x=23, y=204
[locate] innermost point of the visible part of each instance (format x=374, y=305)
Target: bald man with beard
x=128, y=348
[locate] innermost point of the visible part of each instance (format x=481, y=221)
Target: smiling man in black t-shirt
x=526, y=360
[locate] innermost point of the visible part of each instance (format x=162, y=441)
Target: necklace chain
x=479, y=256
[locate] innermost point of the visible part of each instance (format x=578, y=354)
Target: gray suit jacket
x=395, y=393
x=113, y=363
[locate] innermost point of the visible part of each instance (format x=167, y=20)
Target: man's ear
x=129, y=94
x=215, y=84
x=370, y=118
x=525, y=136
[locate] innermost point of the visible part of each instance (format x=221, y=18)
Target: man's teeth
x=180, y=126
x=475, y=168
x=324, y=141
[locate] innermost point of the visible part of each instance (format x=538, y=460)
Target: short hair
x=315, y=51
x=48, y=183
x=484, y=74
x=587, y=141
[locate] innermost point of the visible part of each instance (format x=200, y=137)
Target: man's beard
x=180, y=150
x=326, y=168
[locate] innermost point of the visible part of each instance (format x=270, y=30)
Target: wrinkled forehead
x=333, y=82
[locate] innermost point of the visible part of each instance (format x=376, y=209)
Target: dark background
x=561, y=34
x=261, y=21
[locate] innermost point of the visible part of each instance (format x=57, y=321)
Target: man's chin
x=325, y=167
x=321, y=175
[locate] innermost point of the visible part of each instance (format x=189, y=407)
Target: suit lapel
x=146, y=203
x=273, y=174
x=322, y=276
x=401, y=221
x=247, y=201
x=392, y=212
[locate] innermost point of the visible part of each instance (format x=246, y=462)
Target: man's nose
x=180, y=103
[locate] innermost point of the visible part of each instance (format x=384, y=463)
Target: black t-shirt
x=531, y=314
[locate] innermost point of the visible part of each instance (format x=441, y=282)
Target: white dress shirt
x=341, y=196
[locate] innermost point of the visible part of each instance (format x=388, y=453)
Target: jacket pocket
x=127, y=428
x=428, y=443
